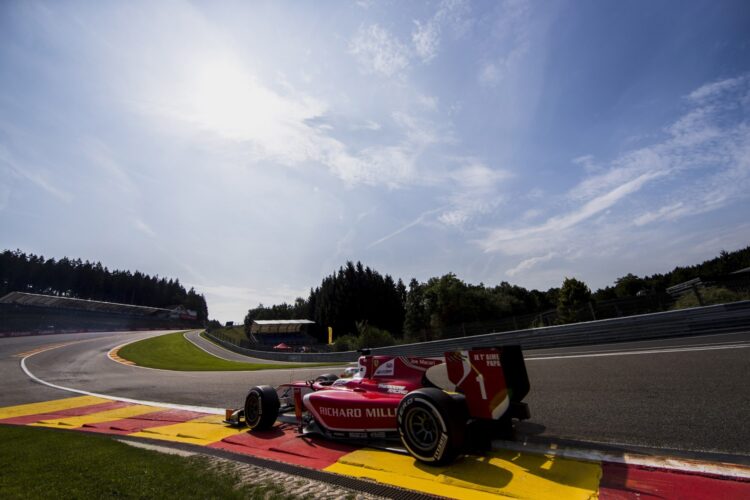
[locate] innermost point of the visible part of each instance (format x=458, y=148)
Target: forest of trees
x=20, y=272
x=352, y=294
x=445, y=306
x=629, y=285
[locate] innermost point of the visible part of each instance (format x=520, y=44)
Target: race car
x=434, y=406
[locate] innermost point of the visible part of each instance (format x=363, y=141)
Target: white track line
x=735, y=471
x=208, y=352
x=202, y=409
x=640, y=348
x=643, y=351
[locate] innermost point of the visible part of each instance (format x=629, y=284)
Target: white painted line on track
x=208, y=352
x=202, y=409
x=639, y=352
x=640, y=348
x=678, y=464
x=685, y=465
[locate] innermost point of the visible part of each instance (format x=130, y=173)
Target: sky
x=250, y=149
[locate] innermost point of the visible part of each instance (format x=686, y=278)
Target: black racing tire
x=261, y=407
x=432, y=425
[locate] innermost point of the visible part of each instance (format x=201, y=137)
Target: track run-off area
x=656, y=418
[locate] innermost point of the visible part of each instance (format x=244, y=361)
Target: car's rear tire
x=261, y=407
x=432, y=425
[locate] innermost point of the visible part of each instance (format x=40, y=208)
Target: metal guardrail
x=723, y=318
x=322, y=357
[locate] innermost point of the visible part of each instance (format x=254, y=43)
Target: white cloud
x=511, y=42
x=419, y=220
x=40, y=177
x=225, y=300
x=377, y=51
x=224, y=99
x=664, y=213
x=143, y=227
x=476, y=192
x=368, y=125
x=426, y=36
x=531, y=213
x=524, y=240
x=428, y=102
x=102, y=158
x=528, y=264
x=702, y=164
x=718, y=88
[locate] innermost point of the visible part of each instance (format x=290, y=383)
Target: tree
x=357, y=293
x=629, y=286
x=416, y=322
x=90, y=280
x=573, y=301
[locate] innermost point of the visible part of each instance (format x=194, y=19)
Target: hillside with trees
x=21, y=272
x=709, y=270
x=353, y=294
x=357, y=301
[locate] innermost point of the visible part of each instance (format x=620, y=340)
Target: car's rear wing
x=493, y=380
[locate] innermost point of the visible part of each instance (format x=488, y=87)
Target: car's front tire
x=261, y=407
x=432, y=425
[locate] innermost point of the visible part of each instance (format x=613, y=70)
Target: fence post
x=591, y=308
x=698, y=295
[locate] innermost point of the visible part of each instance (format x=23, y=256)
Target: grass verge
x=235, y=333
x=174, y=352
x=44, y=463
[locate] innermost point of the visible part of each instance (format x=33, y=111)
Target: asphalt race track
x=685, y=395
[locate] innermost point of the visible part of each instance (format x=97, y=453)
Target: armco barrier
x=723, y=318
x=324, y=357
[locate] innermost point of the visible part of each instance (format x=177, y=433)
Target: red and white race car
x=433, y=405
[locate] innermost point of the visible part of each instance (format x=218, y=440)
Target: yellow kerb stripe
x=49, y=406
x=95, y=418
x=201, y=431
x=505, y=473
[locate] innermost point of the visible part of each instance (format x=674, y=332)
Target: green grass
x=44, y=463
x=235, y=333
x=710, y=296
x=173, y=352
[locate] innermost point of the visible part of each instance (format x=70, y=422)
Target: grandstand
x=29, y=312
x=292, y=332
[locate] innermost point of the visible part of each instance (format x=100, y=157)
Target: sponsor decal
x=420, y=363
x=380, y=413
x=405, y=403
x=491, y=358
x=393, y=389
x=440, y=447
x=326, y=411
x=340, y=412
x=384, y=370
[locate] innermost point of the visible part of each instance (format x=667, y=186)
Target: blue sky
x=251, y=148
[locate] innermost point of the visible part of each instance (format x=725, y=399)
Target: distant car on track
x=435, y=406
